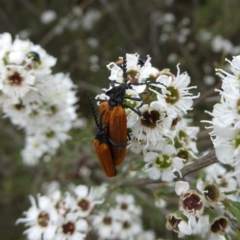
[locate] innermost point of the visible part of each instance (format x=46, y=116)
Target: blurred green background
x=83, y=36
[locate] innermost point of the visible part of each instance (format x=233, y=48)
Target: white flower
x=48, y=16
x=106, y=225
x=125, y=206
x=90, y=18
x=16, y=57
x=40, y=220
x=181, y=187
x=160, y=203
x=163, y=164
x=71, y=227
x=136, y=73
x=5, y=44
x=175, y=96
x=85, y=200
x=211, y=192
x=178, y=225
x=147, y=235
x=200, y=227
x=226, y=181
x=45, y=60
x=192, y=204
x=227, y=152
x=15, y=82
x=186, y=135
x=129, y=229
x=152, y=126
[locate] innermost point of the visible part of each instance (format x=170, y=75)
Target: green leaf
x=236, y=205
x=235, y=211
x=230, y=192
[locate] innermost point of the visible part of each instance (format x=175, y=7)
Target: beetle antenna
x=94, y=111
x=124, y=66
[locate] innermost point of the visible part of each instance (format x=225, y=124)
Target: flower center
x=164, y=162
x=124, y=206
x=183, y=136
x=237, y=140
x=68, y=228
x=224, y=182
x=50, y=134
x=175, y=121
x=212, y=192
x=15, y=78
x=174, y=223
x=60, y=206
x=238, y=106
x=53, y=109
x=150, y=118
x=84, y=204
x=43, y=219
x=184, y=155
x=107, y=220
x=19, y=106
x=126, y=225
x=173, y=96
x=219, y=225
x=132, y=76
x=192, y=202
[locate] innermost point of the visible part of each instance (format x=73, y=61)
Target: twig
x=89, y=87
x=207, y=94
x=203, y=162
x=31, y=7
x=48, y=37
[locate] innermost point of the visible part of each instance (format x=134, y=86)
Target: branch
x=208, y=93
x=203, y=162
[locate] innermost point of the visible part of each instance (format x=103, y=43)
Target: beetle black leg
x=119, y=146
x=134, y=99
x=137, y=111
x=128, y=134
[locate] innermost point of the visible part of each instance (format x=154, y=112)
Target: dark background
x=133, y=25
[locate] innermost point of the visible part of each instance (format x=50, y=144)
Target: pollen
x=212, y=193
x=126, y=225
x=15, y=78
x=68, y=228
x=219, y=225
x=192, y=203
x=84, y=204
x=107, y=220
x=173, y=96
x=43, y=219
x=124, y=206
x=150, y=118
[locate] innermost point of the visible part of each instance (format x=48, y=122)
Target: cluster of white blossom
x=41, y=103
x=226, y=116
x=159, y=131
x=123, y=221
x=204, y=212
x=70, y=216
x=60, y=217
